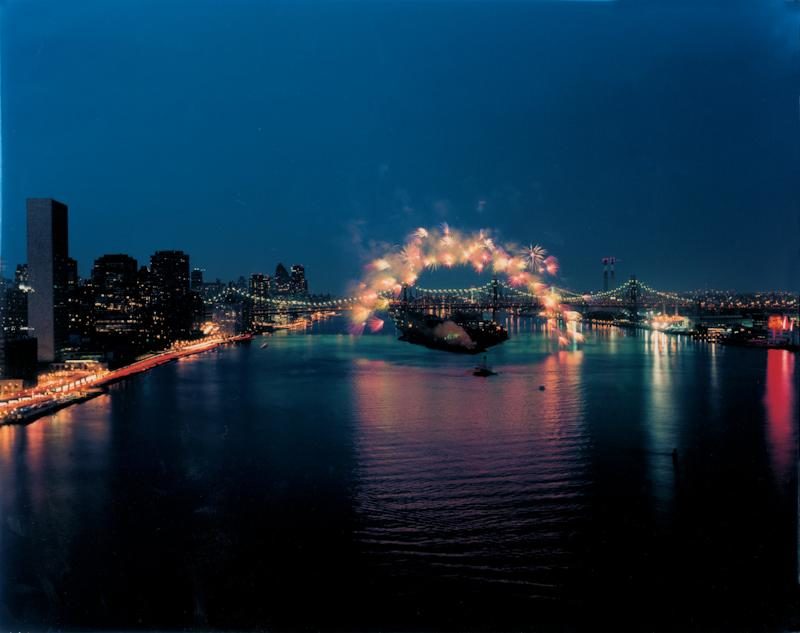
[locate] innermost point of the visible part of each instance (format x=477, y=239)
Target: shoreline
x=51, y=402
x=789, y=347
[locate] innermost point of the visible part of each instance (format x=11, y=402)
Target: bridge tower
x=609, y=273
x=633, y=296
x=495, y=296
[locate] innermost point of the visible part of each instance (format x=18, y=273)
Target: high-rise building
x=50, y=272
x=117, y=302
x=282, y=281
x=297, y=283
x=259, y=285
x=258, y=312
x=17, y=349
x=15, y=314
x=196, y=279
x=169, y=272
x=174, y=307
x=112, y=272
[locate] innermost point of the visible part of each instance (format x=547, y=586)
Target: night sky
x=247, y=133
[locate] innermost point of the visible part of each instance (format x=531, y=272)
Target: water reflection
x=44, y=513
x=662, y=421
x=779, y=403
x=372, y=477
x=477, y=479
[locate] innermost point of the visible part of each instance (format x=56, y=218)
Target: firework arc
x=431, y=248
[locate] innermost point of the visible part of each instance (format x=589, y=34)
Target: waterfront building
x=81, y=315
x=282, y=280
x=259, y=285
x=229, y=318
x=297, y=283
x=51, y=272
x=117, y=299
x=169, y=272
x=174, y=308
x=15, y=308
x=259, y=310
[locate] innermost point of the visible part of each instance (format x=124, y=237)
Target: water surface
x=340, y=483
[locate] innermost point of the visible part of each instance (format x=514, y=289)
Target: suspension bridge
x=494, y=296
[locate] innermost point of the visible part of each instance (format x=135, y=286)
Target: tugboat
x=483, y=370
x=462, y=333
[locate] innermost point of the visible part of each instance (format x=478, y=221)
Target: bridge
x=494, y=296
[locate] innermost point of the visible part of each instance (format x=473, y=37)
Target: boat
x=461, y=333
x=264, y=344
x=483, y=370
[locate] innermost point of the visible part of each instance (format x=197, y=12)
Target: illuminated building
x=297, y=282
x=170, y=273
x=15, y=314
x=196, y=279
x=50, y=272
x=229, y=318
x=258, y=313
x=174, y=307
x=282, y=281
x=117, y=304
x=259, y=285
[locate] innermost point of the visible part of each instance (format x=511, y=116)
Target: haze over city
x=665, y=134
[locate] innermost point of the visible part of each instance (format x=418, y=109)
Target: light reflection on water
x=779, y=401
x=513, y=467
x=439, y=491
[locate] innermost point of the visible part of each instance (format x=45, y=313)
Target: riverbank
x=39, y=404
x=722, y=340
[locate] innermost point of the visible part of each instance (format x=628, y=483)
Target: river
x=332, y=482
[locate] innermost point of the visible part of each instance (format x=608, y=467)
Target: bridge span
x=495, y=296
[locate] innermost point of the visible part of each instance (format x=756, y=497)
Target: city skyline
x=287, y=172
x=399, y=315
x=458, y=273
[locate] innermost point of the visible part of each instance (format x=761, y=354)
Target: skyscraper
x=170, y=272
x=259, y=285
x=258, y=313
x=117, y=303
x=173, y=303
x=197, y=279
x=15, y=318
x=281, y=281
x=298, y=284
x=49, y=272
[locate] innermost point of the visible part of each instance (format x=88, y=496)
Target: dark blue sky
x=245, y=132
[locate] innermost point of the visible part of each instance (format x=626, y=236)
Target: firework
x=534, y=257
x=426, y=249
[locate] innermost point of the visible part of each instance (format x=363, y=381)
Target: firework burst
x=427, y=249
x=534, y=256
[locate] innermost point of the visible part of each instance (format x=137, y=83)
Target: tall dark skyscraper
x=259, y=285
x=170, y=272
x=49, y=273
x=197, y=279
x=281, y=281
x=258, y=313
x=173, y=303
x=297, y=283
x=116, y=295
x=15, y=319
